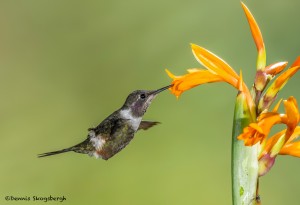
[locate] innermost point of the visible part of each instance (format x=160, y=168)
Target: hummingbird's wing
x=107, y=128
x=145, y=125
x=118, y=125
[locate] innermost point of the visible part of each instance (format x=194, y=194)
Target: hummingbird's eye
x=143, y=96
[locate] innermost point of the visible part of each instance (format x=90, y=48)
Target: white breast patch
x=126, y=114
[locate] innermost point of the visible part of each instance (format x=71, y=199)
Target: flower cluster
x=282, y=142
x=259, y=98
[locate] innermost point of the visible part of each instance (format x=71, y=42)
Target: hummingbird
x=118, y=129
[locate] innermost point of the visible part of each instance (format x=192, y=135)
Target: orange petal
x=267, y=123
x=292, y=115
x=278, y=84
x=241, y=82
x=256, y=127
x=215, y=65
x=248, y=132
x=258, y=39
x=190, y=80
x=292, y=148
x=297, y=62
x=275, y=68
x=249, y=136
x=282, y=80
x=263, y=116
x=295, y=135
x=275, y=87
x=271, y=142
x=276, y=107
x=291, y=109
x=260, y=130
x=170, y=74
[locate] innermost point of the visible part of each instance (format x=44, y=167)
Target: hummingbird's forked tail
x=55, y=152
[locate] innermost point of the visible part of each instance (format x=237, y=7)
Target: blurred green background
x=66, y=65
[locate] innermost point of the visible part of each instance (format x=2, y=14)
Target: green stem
x=244, y=168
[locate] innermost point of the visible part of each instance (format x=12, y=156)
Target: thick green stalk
x=244, y=167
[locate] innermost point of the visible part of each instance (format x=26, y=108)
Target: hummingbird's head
x=138, y=101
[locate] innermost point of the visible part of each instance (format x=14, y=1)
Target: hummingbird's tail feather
x=85, y=147
x=55, y=152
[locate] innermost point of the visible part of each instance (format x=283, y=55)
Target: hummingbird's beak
x=155, y=92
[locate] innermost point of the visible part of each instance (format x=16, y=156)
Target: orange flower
x=258, y=131
x=258, y=102
x=280, y=143
x=193, y=78
x=217, y=70
x=291, y=120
